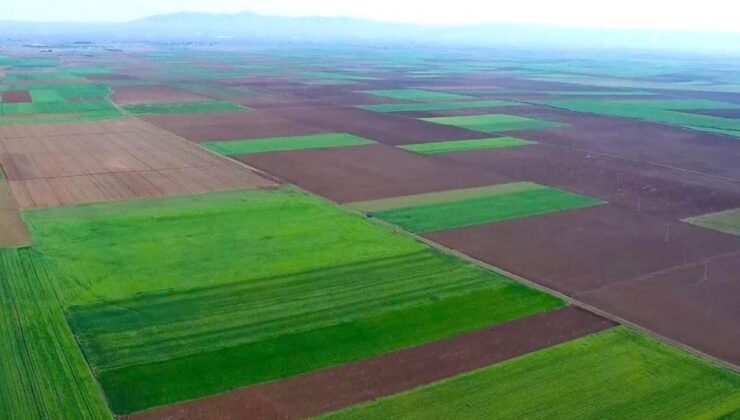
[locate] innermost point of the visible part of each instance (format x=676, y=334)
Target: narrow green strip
x=277, y=144
x=492, y=123
x=463, y=145
x=442, y=197
x=616, y=374
x=475, y=211
x=437, y=106
x=725, y=221
x=420, y=95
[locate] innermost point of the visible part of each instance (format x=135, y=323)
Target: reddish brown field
x=368, y=172
x=599, y=249
x=129, y=161
x=233, y=126
x=136, y=95
x=334, y=388
x=16, y=96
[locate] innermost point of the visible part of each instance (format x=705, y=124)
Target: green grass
x=184, y=108
x=495, y=122
x=46, y=95
x=616, y=374
x=420, y=95
x=437, y=106
x=279, y=144
x=42, y=371
x=660, y=111
x=484, y=209
x=725, y=221
x=179, y=298
x=464, y=145
x=442, y=197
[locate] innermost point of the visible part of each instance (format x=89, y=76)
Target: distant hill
x=249, y=27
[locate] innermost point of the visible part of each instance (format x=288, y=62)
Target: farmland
x=231, y=231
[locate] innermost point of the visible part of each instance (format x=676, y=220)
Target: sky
x=704, y=15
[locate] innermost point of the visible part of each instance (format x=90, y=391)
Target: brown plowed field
x=385, y=128
x=643, y=141
x=367, y=172
x=696, y=305
x=136, y=95
x=48, y=170
x=16, y=96
x=581, y=250
x=335, y=388
x=655, y=189
x=233, y=126
x=608, y=254
x=13, y=232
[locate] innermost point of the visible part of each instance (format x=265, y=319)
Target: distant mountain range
x=249, y=27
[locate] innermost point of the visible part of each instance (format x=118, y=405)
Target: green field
x=184, y=108
x=525, y=200
x=203, y=294
x=464, y=145
x=419, y=95
x=725, y=221
x=437, y=106
x=660, y=111
x=492, y=123
x=281, y=144
x=42, y=371
x=616, y=374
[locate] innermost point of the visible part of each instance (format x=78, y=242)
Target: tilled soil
x=16, y=96
x=137, y=95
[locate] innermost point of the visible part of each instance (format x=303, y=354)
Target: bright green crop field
x=485, y=208
x=465, y=145
x=174, y=299
x=726, y=221
x=437, y=106
x=282, y=144
x=616, y=374
x=419, y=95
x=492, y=123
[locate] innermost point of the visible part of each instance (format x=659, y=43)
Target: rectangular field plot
x=493, y=204
x=637, y=377
x=726, y=221
x=465, y=145
x=184, y=108
x=232, y=289
x=437, y=106
x=281, y=144
x=492, y=123
x=419, y=95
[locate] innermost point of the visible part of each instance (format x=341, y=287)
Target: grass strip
x=491, y=123
x=280, y=144
x=480, y=210
x=441, y=197
x=437, y=106
x=465, y=145
x=725, y=221
x=615, y=374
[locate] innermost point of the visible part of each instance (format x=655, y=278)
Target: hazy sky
x=713, y=15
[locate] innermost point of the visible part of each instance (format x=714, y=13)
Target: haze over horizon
x=711, y=15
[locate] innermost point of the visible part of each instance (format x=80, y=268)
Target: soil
x=16, y=97
x=368, y=172
x=137, y=95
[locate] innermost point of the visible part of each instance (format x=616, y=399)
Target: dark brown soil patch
x=696, y=305
x=381, y=127
x=16, y=97
x=233, y=125
x=581, y=250
x=368, y=172
x=343, y=386
x=135, y=95
x=655, y=189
